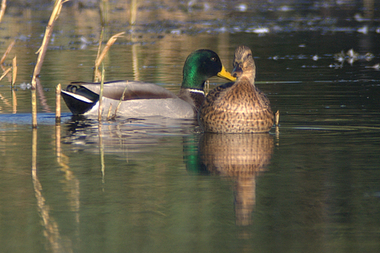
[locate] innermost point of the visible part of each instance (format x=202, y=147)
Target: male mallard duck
x=238, y=107
x=148, y=99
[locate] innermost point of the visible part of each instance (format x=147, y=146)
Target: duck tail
x=79, y=99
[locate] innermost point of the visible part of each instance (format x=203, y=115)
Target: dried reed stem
x=103, y=8
x=100, y=108
x=277, y=123
x=58, y=143
x=101, y=151
x=7, y=52
x=14, y=71
x=14, y=76
x=101, y=56
x=3, y=7
x=45, y=41
x=58, y=104
x=277, y=118
x=34, y=108
x=14, y=102
x=5, y=73
x=109, y=112
x=41, y=55
x=96, y=69
x=121, y=99
x=34, y=153
x=133, y=16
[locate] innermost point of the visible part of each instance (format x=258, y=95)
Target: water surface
x=160, y=185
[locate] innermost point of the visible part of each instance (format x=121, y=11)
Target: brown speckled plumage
x=238, y=107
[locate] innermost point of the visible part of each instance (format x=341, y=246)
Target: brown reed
x=41, y=55
x=277, y=118
x=14, y=71
x=2, y=9
x=9, y=48
x=58, y=104
x=5, y=73
x=100, y=108
x=14, y=76
x=100, y=57
x=118, y=105
x=132, y=19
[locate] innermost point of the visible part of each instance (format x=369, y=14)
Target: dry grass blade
x=104, y=9
x=110, y=42
x=3, y=7
x=109, y=112
x=118, y=105
x=100, y=44
x=101, y=56
x=97, y=74
x=7, y=52
x=5, y=73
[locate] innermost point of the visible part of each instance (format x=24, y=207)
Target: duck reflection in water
x=240, y=157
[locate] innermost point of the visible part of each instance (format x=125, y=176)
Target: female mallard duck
x=147, y=99
x=237, y=107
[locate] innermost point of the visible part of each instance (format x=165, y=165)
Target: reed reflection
x=55, y=242
x=240, y=157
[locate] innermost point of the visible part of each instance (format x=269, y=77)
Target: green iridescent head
x=199, y=66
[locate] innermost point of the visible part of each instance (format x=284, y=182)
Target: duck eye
x=213, y=59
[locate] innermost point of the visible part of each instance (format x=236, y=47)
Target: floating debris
x=242, y=7
x=260, y=30
x=315, y=58
x=358, y=17
x=176, y=31
x=340, y=56
x=275, y=57
x=363, y=30
x=352, y=54
x=84, y=42
x=375, y=67
x=336, y=65
x=25, y=86
x=285, y=8
x=369, y=56
x=301, y=57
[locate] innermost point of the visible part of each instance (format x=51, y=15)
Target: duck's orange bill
x=225, y=74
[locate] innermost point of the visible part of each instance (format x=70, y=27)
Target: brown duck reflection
x=240, y=157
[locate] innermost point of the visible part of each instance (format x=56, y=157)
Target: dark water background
x=159, y=185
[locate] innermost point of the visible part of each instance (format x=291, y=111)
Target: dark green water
x=159, y=185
